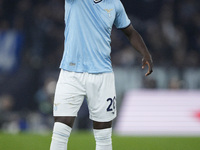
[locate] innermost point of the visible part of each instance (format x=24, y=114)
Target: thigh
x=101, y=97
x=69, y=95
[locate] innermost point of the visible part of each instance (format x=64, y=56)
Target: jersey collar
x=97, y=1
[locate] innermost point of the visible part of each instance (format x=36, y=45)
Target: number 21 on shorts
x=111, y=105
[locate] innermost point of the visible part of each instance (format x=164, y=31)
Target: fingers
x=143, y=63
x=149, y=67
x=148, y=73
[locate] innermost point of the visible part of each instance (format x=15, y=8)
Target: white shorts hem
x=102, y=120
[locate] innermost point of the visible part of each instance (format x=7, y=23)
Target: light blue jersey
x=87, y=34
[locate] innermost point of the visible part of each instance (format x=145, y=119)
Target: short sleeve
x=121, y=18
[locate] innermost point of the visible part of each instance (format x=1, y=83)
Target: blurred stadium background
x=165, y=104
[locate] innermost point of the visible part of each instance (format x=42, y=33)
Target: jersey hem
x=91, y=72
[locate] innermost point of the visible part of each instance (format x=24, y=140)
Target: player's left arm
x=138, y=43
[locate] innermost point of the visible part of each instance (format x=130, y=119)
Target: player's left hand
x=149, y=62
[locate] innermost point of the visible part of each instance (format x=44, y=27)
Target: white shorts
x=99, y=89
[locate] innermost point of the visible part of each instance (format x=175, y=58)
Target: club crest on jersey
x=108, y=11
x=97, y=1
